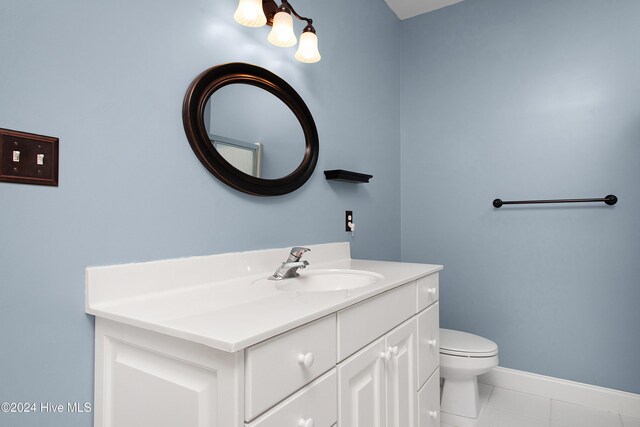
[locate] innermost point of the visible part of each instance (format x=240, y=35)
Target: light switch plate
x=36, y=163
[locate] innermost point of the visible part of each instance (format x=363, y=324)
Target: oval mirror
x=250, y=129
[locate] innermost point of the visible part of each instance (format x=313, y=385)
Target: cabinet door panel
x=152, y=389
x=144, y=378
x=402, y=375
x=362, y=388
x=429, y=402
x=429, y=342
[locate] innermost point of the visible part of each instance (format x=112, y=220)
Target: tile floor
x=508, y=408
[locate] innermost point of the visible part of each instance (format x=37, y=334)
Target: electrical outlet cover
x=347, y=220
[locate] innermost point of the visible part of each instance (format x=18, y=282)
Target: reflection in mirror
x=254, y=131
x=244, y=156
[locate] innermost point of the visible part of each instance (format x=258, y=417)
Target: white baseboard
x=568, y=391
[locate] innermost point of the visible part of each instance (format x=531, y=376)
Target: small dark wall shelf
x=347, y=176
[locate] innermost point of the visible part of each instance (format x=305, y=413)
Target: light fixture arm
x=287, y=5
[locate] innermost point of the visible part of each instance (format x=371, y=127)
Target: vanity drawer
x=316, y=402
x=428, y=290
x=364, y=322
x=428, y=342
x=429, y=402
x=277, y=367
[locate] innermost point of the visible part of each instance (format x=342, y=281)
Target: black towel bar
x=609, y=200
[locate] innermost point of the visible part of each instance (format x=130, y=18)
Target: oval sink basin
x=328, y=280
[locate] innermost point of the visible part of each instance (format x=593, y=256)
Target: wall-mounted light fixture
x=256, y=13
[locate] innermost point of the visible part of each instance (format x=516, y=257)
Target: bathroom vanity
x=208, y=341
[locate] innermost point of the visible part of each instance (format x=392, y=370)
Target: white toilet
x=463, y=357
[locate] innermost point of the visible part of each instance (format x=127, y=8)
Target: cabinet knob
x=306, y=360
x=385, y=355
x=433, y=414
x=432, y=343
x=431, y=291
x=394, y=350
x=305, y=423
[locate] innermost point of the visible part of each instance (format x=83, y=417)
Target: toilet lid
x=463, y=344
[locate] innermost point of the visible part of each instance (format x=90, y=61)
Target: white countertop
x=213, y=300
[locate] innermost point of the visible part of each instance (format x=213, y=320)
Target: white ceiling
x=410, y=8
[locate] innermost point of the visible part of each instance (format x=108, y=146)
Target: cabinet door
x=429, y=345
x=429, y=402
x=402, y=376
x=362, y=388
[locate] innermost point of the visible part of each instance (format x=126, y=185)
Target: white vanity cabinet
x=367, y=362
x=146, y=379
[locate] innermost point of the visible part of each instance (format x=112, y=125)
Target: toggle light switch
x=22, y=158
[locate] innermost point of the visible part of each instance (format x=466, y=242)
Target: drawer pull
x=306, y=423
x=306, y=360
x=431, y=291
x=432, y=343
x=433, y=414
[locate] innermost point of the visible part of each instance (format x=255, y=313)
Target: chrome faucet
x=290, y=267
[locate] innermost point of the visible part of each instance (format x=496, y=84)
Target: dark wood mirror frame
x=193, y=109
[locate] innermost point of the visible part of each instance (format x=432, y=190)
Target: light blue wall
x=523, y=99
x=108, y=79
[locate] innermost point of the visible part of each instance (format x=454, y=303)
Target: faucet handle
x=298, y=251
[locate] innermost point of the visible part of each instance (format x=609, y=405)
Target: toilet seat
x=457, y=343
x=469, y=355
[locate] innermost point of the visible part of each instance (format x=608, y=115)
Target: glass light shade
x=281, y=34
x=308, y=48
x=250, y=14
